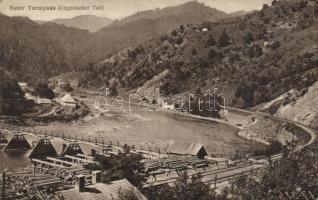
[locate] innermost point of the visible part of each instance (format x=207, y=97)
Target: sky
x=114, y=9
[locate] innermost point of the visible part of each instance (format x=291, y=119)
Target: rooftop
x=102, y=191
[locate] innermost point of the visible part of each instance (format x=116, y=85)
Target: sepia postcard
x=159, y=99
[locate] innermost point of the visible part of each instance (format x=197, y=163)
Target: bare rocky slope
x=303, y=109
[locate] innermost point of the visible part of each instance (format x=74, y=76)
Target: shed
x=43, y=101
x=43, y=148
x=187, y=148
x=17, y=142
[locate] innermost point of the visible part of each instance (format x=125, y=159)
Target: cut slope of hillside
x=250, y=59
x=302, y=109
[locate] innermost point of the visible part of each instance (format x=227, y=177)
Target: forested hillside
x=250, y=59
x=29, y=50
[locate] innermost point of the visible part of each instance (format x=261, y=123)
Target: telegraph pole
x=293, y=116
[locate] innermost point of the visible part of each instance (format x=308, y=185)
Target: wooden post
x=215, y=179
x=3, y=185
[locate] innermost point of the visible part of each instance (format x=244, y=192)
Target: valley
x=90, y=102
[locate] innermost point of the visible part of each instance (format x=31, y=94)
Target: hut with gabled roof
x=17, y=142
x=43, y=148
x=72, y=149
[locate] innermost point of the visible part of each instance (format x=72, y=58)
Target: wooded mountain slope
x=250, y=59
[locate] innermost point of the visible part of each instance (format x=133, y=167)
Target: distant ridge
x=188, y=12
x=91, y=23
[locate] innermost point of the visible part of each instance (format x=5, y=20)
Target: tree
x=185, y=188
x=292, y=177
x=214, y=56
x=42, y=90
x=194, y=52
x=248, y=38
x=224, y=39
x=113, y=90
x=121, y=166
x=210, y=42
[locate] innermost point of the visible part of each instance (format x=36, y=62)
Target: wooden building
x=187, y=148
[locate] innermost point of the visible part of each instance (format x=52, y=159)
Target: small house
x=205, y=30
x=68, y=100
